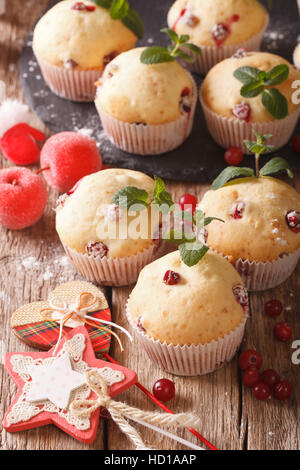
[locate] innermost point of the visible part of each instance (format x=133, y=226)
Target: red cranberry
x=139, y=323
x=270, y=377
x=250, y=376
x=296, y=143
x=235, y=18
x=261, y=391
x=185, y=92
x=164, y=389
x=188, y=202
x=241, y=295
x=70, y=64
x=283, y=390
x=109, y=57
x=240, y=53
x=282, y=331
x=237, y=210
x=97, y=249
x=242, y=111
x=81, y=6
x=293, y=220
x=250, y=358
x=220, y=32
x=185, y=101
x=273, y=308
x=233, y=156
x=190, y=19
x=171, y=278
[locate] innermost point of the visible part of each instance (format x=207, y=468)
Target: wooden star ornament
x=48, y=385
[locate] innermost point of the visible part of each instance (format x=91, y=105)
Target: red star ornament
x=24, y=413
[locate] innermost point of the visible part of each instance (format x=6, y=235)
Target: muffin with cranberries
x=146, y=109
x=261, y=233
x=197, y=321
x=219, y=27
x=73, y=42
x=250, y=90
x=107, y=244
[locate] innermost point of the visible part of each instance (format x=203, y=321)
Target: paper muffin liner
x=231, y=132
x=144, y=139
x=259, y=276
x=190, y=360
x=75, y=85
x=112, y=271
x=211, y=55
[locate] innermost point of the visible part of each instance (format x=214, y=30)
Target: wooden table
x=32, y=263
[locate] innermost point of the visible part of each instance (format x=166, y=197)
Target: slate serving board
x=199, y=158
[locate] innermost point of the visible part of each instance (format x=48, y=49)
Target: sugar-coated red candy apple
x=18, y=144
x=23, y=197
x=67, y=157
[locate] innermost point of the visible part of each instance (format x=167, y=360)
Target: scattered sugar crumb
x=271, y=433
x=85, y=131
x=281, y=241
x=275, y=230
x=30, y=262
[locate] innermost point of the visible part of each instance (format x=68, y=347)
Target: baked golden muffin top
x=296, y=56
x=217, y=22
x=87, y=220
x=80, y=38
x=262, y=219
x=134, y=92
x=221, y=91
x=208, y=302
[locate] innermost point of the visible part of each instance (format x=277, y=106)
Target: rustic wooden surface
x=32, y=263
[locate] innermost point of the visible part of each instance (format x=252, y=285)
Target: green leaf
x=103, y=3
x=177, y=236
x=192, y=253
x=275, y=165
x=184, y=38
x=275, y=103
x=119, y=9
x=134, y=22
x=172, y=34
x=161, y=196
x=277, y=75
x=199, y=217
x=193, y=48
x=156, y=55
x=129, y=196
x=183, y=55
x=250, y=90
x=208, y=220
x=247, y=74
x=229, y=173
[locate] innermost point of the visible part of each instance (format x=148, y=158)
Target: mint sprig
x=257, y=82
x=121, y=10
x=160, y=54
x=258, y=147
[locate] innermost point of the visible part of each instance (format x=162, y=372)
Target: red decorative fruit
x=251, y=376
x=171, y=278
x=283, y=390
x=67, y=157
x=18, y=144
x=296, y=143
x=283, y=331
x=23, y=197
x=293, y=220
x=250, y=358
x=261, y=391
x=188, y=202
x=270, y=377
x=233, y=156
x=164, y=389
x=273, y=308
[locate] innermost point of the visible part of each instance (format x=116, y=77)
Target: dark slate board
x=199, y=158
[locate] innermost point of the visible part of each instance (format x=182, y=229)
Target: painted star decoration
x=47, y=385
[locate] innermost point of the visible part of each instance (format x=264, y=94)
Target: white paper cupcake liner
x=211, y=55
x=231, y=132
x=112, y=271
x=75, y=85
x=190, y=360
x=143, y=139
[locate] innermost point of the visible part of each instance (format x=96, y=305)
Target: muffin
x=261, y=233
x=195, y=325
x=231, y=117
x=106, y=243
x=146, y=109
x=296, y=57
x=73, y=42
x=219, y=27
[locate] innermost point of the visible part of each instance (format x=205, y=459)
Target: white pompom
x=12, y=112
x=2, y=7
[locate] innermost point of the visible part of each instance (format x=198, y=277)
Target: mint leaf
x=119, y=9
x=133, y=22
x=178, y=237
x=277, y=75
x=199, y=217
x=161, y=196
x=192, y=253
x=130, y=196
x=208, y=220
x=228, y=174
x=275, y=165
x=156, y=55
x=193, y=48
x=250, y=90
x=172, y=34
x=275, y=103
x=185, y=56
x=247, y=74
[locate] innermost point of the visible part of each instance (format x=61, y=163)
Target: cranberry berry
x=293, y=221
x=237, y=210
x=188, y=202
x=273, y=308
x=270, y=377
x=139, y=324
x=171, y=278
x=250, y=358
x=220, y=32
x=164, y=389
x=283, y=390
x=241, y=295
x=242, y=111
x=96, y=249
x=251, y=376
x=261, y=391
x=80, y=6
x=283, y=332
x=233, y=156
